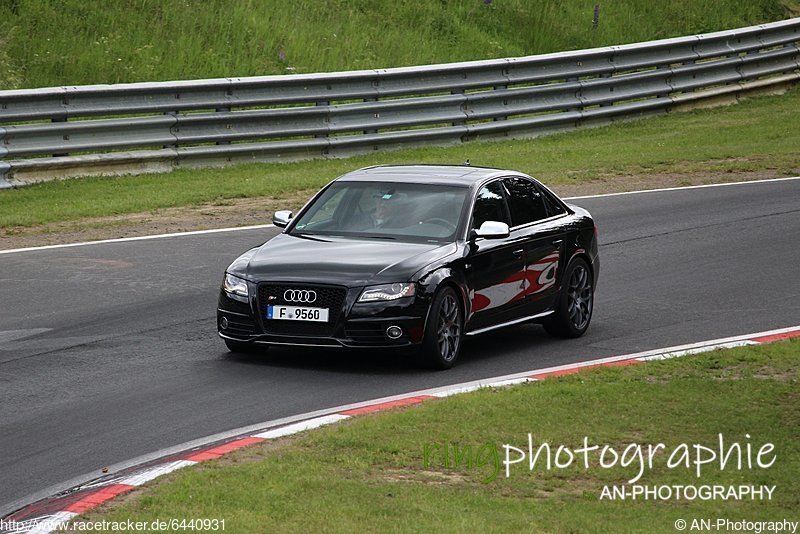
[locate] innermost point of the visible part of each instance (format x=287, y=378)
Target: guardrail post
x=322, y=103
x=66, y=137
x=457, y=92
x=176, y=127
x=370, y=131
x=223, y=110
x=4, y=168
x=505, y=102
x=575, y=79
x=667, y=81
x=606, y=75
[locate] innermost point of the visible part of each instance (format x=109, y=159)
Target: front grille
x=331, y=297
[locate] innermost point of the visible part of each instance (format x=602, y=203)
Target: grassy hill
x=64, y=42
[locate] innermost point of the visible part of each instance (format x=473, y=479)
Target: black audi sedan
x=414, y=256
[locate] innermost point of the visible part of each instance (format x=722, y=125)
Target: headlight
x=388, y=292
x=235, y=285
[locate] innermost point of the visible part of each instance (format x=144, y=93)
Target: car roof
x=459, y=175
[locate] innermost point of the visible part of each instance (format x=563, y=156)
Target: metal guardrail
x=62, y=131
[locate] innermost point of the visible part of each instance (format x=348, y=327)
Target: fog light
x=394, y=332
x=223, y=323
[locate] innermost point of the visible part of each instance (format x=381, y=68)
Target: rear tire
x=575, y=303
x=444, y=330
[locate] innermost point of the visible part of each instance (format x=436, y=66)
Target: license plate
x=297, y=313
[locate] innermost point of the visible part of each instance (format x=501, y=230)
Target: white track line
x=301, y=426
x=140, y=238
x=679, y=188
x=688, y=352
x=147, y=475
x=260, y=226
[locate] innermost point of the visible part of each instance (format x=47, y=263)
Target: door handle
x=557, y=243
x=518, y=252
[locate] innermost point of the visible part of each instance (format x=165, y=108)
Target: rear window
x=554, y=207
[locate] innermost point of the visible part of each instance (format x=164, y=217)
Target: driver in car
x=388, y=212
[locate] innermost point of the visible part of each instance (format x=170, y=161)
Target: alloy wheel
x=449, y=328
x=579, y=297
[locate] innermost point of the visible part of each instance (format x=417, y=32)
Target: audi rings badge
x=304, y=296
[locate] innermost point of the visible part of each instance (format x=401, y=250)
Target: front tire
x=575, y=302
x=443, y=330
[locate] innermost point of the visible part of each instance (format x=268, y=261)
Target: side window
x=553, y=206
x=490, y=205
x=526, y=202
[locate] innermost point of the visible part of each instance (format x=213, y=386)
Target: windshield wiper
x=307, y=236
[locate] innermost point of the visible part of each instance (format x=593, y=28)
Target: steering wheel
x=441, y=222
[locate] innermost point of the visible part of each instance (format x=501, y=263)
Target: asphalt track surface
x=109, y=351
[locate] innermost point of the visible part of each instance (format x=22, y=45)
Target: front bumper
x=356, y=325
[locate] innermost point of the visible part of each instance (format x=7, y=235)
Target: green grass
x=65, y=42
x=758, y=134
x=370, y=474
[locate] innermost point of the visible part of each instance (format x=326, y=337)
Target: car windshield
x=385, y=210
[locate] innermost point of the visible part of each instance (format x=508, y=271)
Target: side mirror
x=492, y=230
x=282, y=218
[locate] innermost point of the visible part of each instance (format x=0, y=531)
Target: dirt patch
x=252, y=211
x=225, y=214
x=779, y=375
x=427, y=477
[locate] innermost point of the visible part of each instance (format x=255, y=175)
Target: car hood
x=336, y=260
